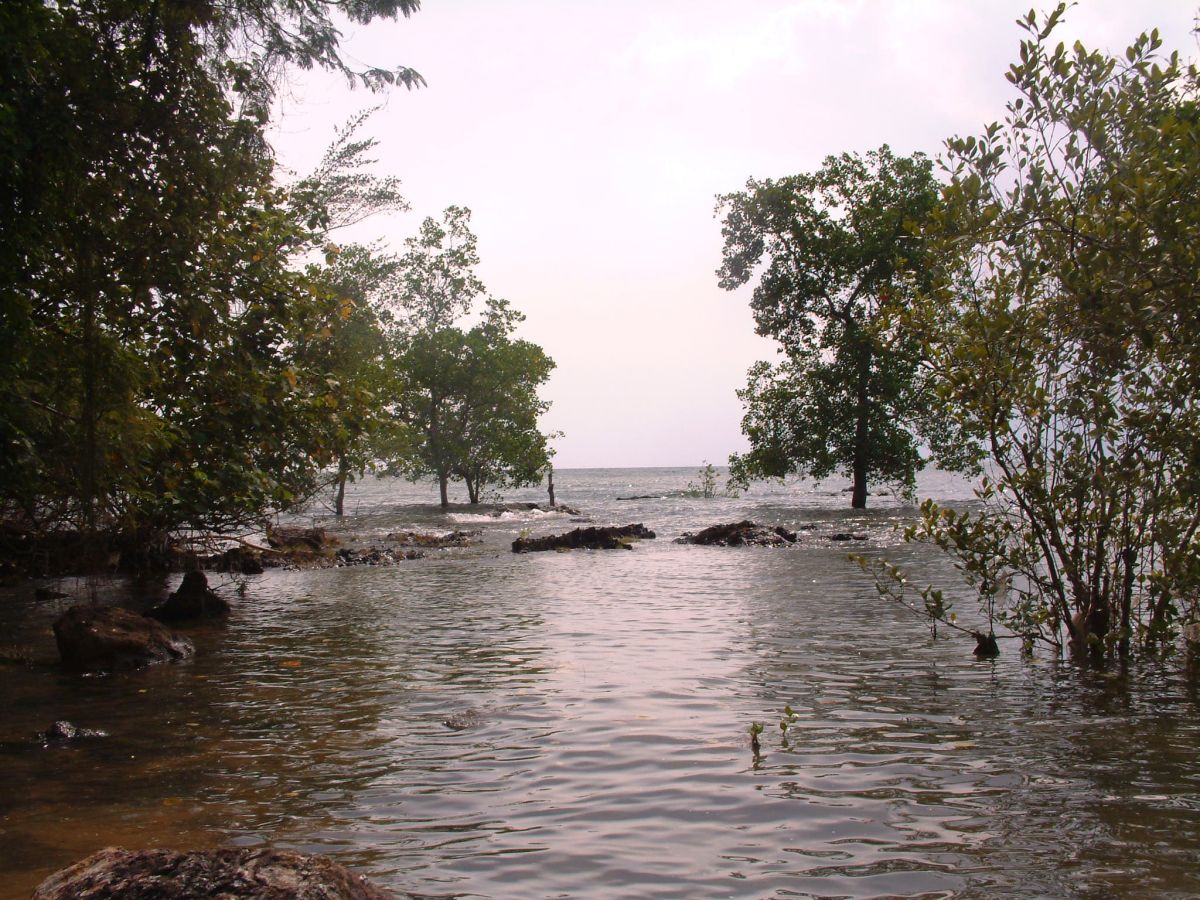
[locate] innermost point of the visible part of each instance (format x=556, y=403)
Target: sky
x=590, y=139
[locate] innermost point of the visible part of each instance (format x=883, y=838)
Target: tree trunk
x=472, y=490
x=339, y=501
x=444, y=488
x=858, y=499
x=550, y=486
x=1129, y=559
x=862, y=436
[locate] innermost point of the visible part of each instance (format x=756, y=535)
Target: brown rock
x=109, y=638
x=739, y=534
x=289, y=538
x=611, y=537
x=193, y=600
x=229, y=872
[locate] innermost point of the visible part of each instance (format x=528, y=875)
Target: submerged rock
x=374, y=556
x=92, y=638
x=848, y=536
x=63, y=732
x=434, y=541
x=193, y=600
x=738, y=534
x=612, y=537
x=232, y=872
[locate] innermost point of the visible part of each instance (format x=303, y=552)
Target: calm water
x=481, y=724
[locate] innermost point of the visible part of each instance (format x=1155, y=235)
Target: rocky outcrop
x=232, y=872
x=284, y=537
x=848, y=536
x=434, y=541
x=193, y=601
x=98, y=638
x=374, y=556
x=241, y=560
x=739, y=534
x=613, y=537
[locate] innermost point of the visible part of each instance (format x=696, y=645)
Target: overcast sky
x=590, y=138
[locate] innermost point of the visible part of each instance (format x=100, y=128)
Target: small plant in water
x=755, y=747
x=707, y=488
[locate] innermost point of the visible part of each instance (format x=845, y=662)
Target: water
x=482, y=724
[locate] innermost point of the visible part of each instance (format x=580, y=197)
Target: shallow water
x=483, y=724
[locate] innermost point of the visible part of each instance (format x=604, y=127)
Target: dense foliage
x=469, y=398
x=838, y=254
x=1064, y=337
x=170, y=362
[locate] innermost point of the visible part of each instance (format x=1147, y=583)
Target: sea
x=663, y=721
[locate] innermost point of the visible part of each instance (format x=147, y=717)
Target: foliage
x=1063, y=336
x=707, y=488
x=837, y=254
x=352, y=351
x=155, y=373
x=469, y=401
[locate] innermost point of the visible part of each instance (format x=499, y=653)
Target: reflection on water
x=483, y=724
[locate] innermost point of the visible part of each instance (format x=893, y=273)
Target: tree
x=837, y=253
x=469, y=397
x=497, y=407
x=1063, y=335
x=146, y=251
x=352, y=349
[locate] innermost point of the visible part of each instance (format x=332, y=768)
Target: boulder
x=292, y=539
x=611, y=537
x=193, y=600
x=238, y=559
x=848, y=536
x=228, y=872
x=738, y=534
x=93, y=637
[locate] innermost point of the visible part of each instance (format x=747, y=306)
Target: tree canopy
x=1062, y=334
x=154, y=324
x=836, y=254
x=469, y=395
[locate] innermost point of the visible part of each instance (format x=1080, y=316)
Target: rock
x=611, y=537
x=739, y=534
x=374, y=556
x=193, y=600
x=62, y=732
x=109, y=638
x=231, y=872
x=421, y=539
x=985, y=645
x=292, y=539
x=468, y=718
x=238, y=559
x=15, y=655
x=43, y=594
x=847, y=536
